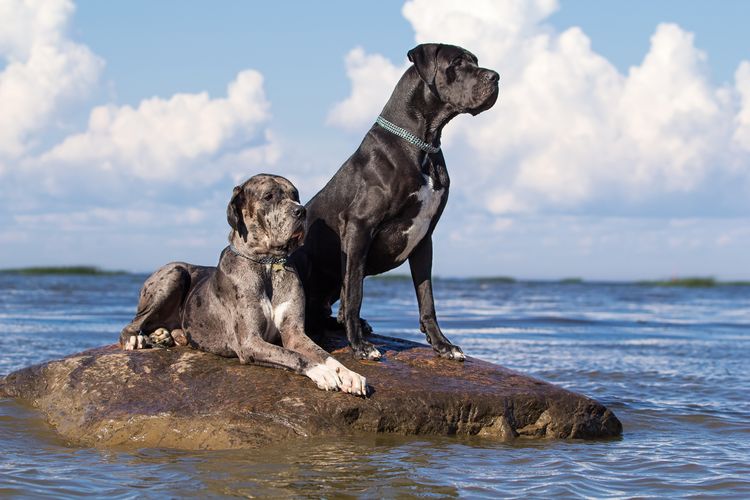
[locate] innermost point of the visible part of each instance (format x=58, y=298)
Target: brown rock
x=181, y=398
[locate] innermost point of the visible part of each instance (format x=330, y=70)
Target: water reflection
x=671, y=363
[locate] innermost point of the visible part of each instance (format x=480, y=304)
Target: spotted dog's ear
x=424, y=57
x=234, y=211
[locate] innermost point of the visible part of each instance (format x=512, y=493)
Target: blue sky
x=618, y=148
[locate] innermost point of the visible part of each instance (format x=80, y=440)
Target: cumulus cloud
x=182, y=138
x=185, y=138
x=373, y=78
x=742, y=133
x=44, y=70
x=132, y=175
x=570, y=130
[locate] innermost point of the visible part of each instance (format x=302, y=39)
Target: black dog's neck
x=414, y=107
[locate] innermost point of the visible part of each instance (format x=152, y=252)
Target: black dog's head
x=266, y=215
x=452, y=74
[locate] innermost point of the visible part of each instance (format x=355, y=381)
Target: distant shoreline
x=64, y=270
x=687, y=282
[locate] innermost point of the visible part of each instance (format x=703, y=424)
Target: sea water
x=672, y=363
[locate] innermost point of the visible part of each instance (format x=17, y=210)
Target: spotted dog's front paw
x=351, y=382
x=324, y=377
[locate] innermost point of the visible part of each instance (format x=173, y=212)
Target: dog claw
x=348, y=381
x=451, y=352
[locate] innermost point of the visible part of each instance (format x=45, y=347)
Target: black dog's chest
x=397, y=237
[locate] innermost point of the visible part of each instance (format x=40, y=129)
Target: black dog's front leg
x=355, y=244
x=420, y=263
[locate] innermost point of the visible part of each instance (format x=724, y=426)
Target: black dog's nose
x=492, y=76
x=299, y=212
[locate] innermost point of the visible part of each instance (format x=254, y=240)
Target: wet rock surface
x=182, y=398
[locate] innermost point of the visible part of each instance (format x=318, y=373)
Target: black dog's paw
x=366, y=351
x=450, y=351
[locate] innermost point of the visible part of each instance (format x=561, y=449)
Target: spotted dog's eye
x=268, y=196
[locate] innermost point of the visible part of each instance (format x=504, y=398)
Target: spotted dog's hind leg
x=159, y=308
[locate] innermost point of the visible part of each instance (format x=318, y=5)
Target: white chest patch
x=429, y=199
x=274, y=316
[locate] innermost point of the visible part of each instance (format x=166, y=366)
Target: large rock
x=182, y=398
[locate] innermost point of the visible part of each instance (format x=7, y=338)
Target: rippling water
x=672, y=363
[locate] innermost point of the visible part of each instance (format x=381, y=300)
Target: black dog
x=381, y=207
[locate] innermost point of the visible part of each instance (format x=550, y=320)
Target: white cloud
x=141, y=177
x=180, y=139
x=373, y=78
x=569, y=130
x=44, y=70
x=742, y=134
x=98, y=218
x=184, y=139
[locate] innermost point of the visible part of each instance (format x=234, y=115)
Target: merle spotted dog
x=251, y=305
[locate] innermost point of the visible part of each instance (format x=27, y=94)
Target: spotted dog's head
x=266, y=216
x=452, y=74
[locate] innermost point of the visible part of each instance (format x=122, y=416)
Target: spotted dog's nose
x=299, y=212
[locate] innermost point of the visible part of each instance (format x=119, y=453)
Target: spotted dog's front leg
x=324, y=369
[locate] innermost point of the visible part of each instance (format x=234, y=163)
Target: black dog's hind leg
x=340, y=325
x=158, y=310
x=420, y=263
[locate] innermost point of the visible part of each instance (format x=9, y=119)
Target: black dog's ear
x=234, y=211
x=424, y=57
